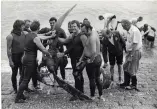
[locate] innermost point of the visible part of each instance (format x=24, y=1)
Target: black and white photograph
x=79, y=54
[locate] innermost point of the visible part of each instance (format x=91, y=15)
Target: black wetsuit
x=17, y=53
x=75, y=51
x=93, y=72
x=34, y=77
x=29, y=62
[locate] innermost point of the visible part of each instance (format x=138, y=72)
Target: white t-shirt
x=112, y=24
x=133, y=36
x=151, y=32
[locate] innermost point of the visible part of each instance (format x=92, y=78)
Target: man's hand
x=11, y=64
x=130, y=57
x=59, y=55
x=78, y=63
x=53, y=33
x=49, y=55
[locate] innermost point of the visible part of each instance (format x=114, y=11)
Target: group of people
x=83, y=46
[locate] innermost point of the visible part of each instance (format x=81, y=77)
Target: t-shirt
x=112, y=24
x=133, y=36
x=151, y=32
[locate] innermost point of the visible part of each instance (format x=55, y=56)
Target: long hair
x=17, y=27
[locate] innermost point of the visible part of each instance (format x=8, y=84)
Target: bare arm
x=47, y=37
x=65, y=40
x=146, y=32
x=83, y=40
x=104, y=50
x=117, y=25
x=136, y=39
x=82, y=56
x=40, y=46
x=134, y=45
x=122, y=42
x=9, y=47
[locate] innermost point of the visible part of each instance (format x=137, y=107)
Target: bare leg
x=119, y=72
x=112, y=72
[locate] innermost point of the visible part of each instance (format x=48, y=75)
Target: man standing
x=133, y=56
x=15, y=49
x=75, y=50
x=109, y=23
x=114, y=44
x=32, y=44
x=91, y=55
x=34, y=77
x=55, y=46
x=149, y=34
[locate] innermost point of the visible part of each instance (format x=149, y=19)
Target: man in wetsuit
x=55, y=46
x=75, y=50
x=15, y=49
x=32, y=44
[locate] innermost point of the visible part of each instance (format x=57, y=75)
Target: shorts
x=150, y=38
x=114, y=58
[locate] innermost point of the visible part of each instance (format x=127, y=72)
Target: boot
x=15, y=91
x=134, y=81
x=73, y=98
x=126, y=80
x=15, y=88
x=29, y=90
x=134, y=84
x=19, y=98
x=19, y=101
x=23, y=97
